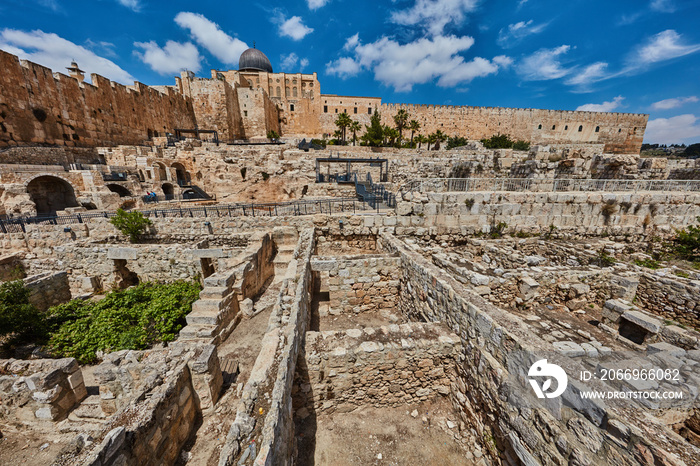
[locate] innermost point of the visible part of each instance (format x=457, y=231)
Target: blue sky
x=638, y=56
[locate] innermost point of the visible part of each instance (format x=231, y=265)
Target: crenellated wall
x=38, y=107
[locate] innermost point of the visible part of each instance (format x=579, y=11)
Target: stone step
x=209, y=305
x=196, y=332
x=214, y=292
x=88, y=411
x=203, y=318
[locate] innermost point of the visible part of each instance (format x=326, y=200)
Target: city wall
x=39, y=107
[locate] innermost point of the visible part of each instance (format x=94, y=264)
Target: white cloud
x=294, y=28
x=604, y=107
x=289, y=62
x=663, y=46
x=210, y=36
x=672, y=130
x=403, y=65
x=544, y=65
x=590, y=74
x=52, y=4
x=352, y=42
x=131, y=4
x=55, y=52
x=514, y=33
x=344, y=67
x=434, y=15
x=668, y=104
x=664, y=6
x=171, y=59
x=316, y=4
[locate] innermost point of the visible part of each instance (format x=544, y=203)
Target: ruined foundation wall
x=387, y=366
x=490, y=395
x=48, y=289
x=40, y=107
x=358, y=284
x=674, y=298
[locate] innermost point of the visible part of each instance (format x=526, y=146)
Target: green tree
x=692, y=150
x=440, y=137
x=391, y=135
x=420, y=139
x=374, y=134
x=686, y=244
x=401, y=118
x=272, y=135
x=432, y=139
x=132, y=224
x=354, y=127
x=342, y=122
x=17, y=316
x=456, y=141
x=498, y=141
x=414, y=126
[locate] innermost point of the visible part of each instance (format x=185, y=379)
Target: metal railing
x=373, y=193
x=548, y=185
x=293, y=208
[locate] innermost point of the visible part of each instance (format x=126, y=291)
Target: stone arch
x=51, y=193
x=119, y=189
x=181, y=174
x=168, y=190
x=189, y=194
x=160, y=170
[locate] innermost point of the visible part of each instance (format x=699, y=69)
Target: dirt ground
x=380, y=436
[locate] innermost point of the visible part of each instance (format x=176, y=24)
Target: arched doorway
x=119, y=189
x=183, y=178
x=160, y=171
x=51, y=194
x=168, y=190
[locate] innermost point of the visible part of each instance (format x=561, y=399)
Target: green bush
x=498, y=230
x=521, y=145
x=320, y=142
x=272, y=135
x=498, y=141
x=686, y=244
x=18, y=317
x=456, y=141
x=136, y=318
x=648, y=263
x=603, y=259
x=132, y=224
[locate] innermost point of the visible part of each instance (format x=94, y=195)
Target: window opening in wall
x=597, y=129
x=291, y=108
x=336, y=110
x=279, y=94
x=619, y=130
x=245, y=112
x=369, y=110
x=554, y=126
x=539, y=127
x=325, y=109
x=355, y=109
x=580, y=128
x=566, y=127
x=345, y=110
x=294, y=92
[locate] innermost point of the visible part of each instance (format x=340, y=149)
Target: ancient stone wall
x=48, y=289
x=622, y=133
x=38, y=107
x=490, y=393
x=11, y=267
x=386, y=366
x=358, y=284
x=40, y=390
x=674, y=298
x=359, y=109
x=214, y=104
x=32, y=155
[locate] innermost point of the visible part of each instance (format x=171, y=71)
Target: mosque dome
x=254, y=60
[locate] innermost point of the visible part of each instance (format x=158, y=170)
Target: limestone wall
x=359, y=283
x=11, y=267
x=33, y=155
x=492, y=397
x=386, y=366
x=674, y=298
x=620, y=132
x=38, y=107
x=48, y=289
x=40, y=390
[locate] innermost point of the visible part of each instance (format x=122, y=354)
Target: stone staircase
x=214, y=310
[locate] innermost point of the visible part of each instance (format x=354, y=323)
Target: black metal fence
x=293, y=208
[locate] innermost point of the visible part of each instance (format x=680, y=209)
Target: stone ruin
x=409, y=329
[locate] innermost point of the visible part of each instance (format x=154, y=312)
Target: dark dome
x=254, y=60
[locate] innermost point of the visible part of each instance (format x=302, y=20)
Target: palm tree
x=414, y=126
x=432, y=139
x=338, y=134
x=439, y=137
x=420, y=139
x=342, y=122
x=400, y=119
x=354, y=127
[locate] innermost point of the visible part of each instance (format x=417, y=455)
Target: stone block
x=207, y=253
x=648, y=323
x=663, y=347
x=569, y=348
x=122, y=253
